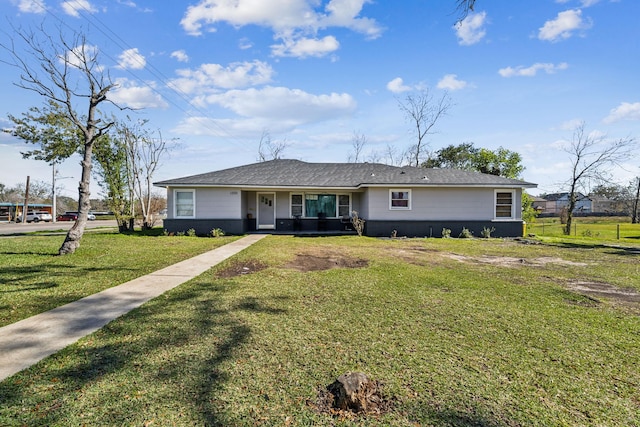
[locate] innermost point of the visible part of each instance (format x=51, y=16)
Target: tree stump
x=355, y=392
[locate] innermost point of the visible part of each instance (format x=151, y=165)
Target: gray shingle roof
x=296, y=173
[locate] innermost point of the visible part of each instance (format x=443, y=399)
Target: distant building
x=555, y=203
x=9, y=211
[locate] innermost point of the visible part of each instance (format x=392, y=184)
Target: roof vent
x=373, y=174
x=425, y=178
x=402, y=173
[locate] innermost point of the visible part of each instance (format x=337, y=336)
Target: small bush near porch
x=479, y=332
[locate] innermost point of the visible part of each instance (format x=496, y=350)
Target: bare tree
x=67, y=72
x=268, y=149
x=358, y=142
x=464, y=7
x=392, y=157
x=636, y=200
x=590, y=156
x=145, y=156
x=423, y=112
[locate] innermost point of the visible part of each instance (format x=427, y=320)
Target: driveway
x=11, y=228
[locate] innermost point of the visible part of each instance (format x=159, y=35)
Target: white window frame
x=175, y=202
x=400, y=208
x=338, y=204
x=291, y=204
x=513, y=205
x=304, y=209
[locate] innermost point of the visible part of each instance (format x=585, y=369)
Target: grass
x=617, y=229
x=33, y=279
x=455, y=341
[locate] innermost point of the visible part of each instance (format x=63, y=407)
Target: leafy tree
x=591, y=155
x=465, y=156
x=453, y=157
x=529, y=214
x=111, y=173
x=66, y=72
x=50, y=128
x=127, y=158
x=501, y=162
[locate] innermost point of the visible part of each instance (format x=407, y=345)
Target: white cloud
x=80, y=54
x=305, y=47
x=75, y=7
x=31, y=6
x=131, y=59
x=471, y=29
x=570, y=125
x=583, y=3
x=244, y=43
x=397, y=86
x=295, y=22
x=279, y=109
x=180, y=55
x=624, y=111
x=128, y=94
x=563, y=26
x=451, y=82
x=284, y=104
x=532, y=70
x=211, y=77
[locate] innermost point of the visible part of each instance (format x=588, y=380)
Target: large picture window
x=315, y=204
x=400, y=199
x=185, y=203
x=504, y=204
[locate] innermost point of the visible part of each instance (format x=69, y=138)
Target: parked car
x=36, y=216
x=67, y=216
x=74, y=214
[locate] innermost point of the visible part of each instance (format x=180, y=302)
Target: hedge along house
x=291, y=196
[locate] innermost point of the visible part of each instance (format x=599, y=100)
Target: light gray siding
x=218, y=203
x=454, y=204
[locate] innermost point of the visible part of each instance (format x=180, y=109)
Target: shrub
x=446, y=233
x=486, y=232
x=216, y=232
x=357, y=222
x=465, y=233
x=180, y=233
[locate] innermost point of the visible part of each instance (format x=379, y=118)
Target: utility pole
x=54, y=209
x=25, y=207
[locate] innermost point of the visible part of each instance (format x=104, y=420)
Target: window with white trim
x=504, y=204
x=185, y=203
x=296, y=205
x=312, y=205
x=344, y=205
x=400, y=199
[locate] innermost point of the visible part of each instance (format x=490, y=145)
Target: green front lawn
x=461, y=332
x=33, y=279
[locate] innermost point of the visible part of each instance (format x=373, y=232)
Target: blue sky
x=216, y=74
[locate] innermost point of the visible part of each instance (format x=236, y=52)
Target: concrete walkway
x=28, y=341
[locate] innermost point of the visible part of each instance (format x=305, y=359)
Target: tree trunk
x=72, y=241
x=570, y=208
x=634, y=216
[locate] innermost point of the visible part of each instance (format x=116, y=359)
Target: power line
x=158, y=74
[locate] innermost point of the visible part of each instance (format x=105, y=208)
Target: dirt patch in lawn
x=316, y=262
x=504, y=261
x=238, y=268
x=605, y=290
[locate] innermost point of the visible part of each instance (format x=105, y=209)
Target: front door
x=266, y=211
